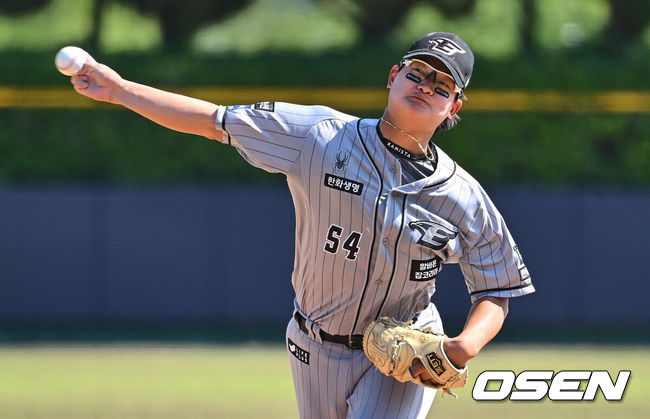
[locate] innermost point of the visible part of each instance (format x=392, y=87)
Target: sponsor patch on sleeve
x=343, y=184
x=523, y=270
x=425, y=270
x=265, y=106
x=298, y=352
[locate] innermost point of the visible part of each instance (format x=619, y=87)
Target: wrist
x=120, y=90
x=458, y=351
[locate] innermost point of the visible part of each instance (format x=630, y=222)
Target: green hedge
x=552, y=148
x=364, y=66
x=114, y=146
x=119, y=146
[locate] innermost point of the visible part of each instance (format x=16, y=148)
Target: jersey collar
x=445, y=167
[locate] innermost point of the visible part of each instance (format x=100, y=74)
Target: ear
x=391, y=75
x=455, y=108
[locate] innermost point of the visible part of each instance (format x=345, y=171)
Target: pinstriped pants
x=332, y=381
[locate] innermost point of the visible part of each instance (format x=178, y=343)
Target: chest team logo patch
x=434, y=235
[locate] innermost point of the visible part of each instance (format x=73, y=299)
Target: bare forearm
x=484, y=321
x=174, y=111
x=180, y=113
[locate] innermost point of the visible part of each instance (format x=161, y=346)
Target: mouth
x=419, y=99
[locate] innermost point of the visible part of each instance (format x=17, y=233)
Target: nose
x=425, y=87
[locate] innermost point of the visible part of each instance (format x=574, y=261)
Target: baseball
x=70, y=60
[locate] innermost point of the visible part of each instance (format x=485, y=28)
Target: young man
x=379, y=209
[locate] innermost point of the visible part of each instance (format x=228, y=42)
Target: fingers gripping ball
x=70, y=60
x=393, y=346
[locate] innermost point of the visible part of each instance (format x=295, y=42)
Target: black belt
x=352, y=341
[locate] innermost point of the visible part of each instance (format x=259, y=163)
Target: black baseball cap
x=451, y=50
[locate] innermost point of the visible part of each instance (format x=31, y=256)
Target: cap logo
x=445, y=46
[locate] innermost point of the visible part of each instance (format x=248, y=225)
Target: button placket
x=392, y=209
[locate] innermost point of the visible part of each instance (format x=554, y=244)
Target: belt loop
x=313, y=329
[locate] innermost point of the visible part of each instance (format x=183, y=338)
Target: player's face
x=422, y=87
x=440, y=81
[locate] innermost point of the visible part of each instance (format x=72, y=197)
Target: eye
x=418, y=70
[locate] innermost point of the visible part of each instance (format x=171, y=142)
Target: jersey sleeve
x=492, y=264
x=271, y=135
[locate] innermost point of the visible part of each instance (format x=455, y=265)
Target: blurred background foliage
x=570, y=46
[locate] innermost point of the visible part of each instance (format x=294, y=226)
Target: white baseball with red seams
x=70, y=60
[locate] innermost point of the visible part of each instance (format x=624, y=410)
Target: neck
x=418, y=145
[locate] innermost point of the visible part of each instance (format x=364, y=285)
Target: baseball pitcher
x=380, y=209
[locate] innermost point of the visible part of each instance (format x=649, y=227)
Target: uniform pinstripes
x=395, y=257
x=341, y=293
x=375, y=208
x=339, y=382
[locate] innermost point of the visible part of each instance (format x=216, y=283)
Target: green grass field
x=254, y=381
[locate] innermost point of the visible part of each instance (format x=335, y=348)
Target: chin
x=418, y=108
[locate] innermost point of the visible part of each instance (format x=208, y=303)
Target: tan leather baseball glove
x=394, y=347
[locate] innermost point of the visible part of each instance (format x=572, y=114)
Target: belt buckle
x=350, y=342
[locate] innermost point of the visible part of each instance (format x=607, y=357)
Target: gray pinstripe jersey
x=366, y=245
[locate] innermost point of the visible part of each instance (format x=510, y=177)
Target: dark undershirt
x=414, y=167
